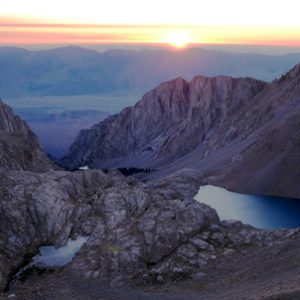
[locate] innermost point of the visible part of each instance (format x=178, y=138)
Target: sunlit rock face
x=169, y=122
x=19, y=147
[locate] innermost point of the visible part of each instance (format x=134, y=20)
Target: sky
x=175, y=23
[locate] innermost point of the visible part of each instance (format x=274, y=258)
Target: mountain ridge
x=80, y=71
x=175, y=107
x=215, y=125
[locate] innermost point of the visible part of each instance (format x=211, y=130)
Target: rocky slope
x=262, y=159
x=138, y=234
x=267, y=164
x=19, y=147
x=169, y=122
x=240, y=133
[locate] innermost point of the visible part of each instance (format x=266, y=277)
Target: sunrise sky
x=176, y=23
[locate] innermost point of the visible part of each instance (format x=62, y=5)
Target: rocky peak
x=295, y=71
x=292, y=74
x=19, y=146
x=11, y=123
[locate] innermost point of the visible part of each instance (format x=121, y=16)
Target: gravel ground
x=258, y=273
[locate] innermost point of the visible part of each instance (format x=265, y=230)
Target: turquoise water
x=258, y=211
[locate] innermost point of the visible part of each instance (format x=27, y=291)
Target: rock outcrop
x=136, y=232
x=19, y=146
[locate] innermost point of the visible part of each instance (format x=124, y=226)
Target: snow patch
x=58, y=257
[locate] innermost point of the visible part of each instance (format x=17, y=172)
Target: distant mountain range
x=240, y=133
x=79, y=71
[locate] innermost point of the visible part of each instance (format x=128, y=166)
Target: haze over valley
x=62, y=90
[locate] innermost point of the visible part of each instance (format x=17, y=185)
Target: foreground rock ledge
x=145, y=233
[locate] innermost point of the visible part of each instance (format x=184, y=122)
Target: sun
x=178, y=39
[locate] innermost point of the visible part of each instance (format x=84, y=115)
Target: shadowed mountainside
x=19, y=147
x=267, y=164
x=241, y=133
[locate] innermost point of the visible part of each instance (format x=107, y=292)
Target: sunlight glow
x=178, y=39
x=170, y=22
x=175, y=36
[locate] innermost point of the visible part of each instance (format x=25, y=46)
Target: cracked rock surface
x=137, y=233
